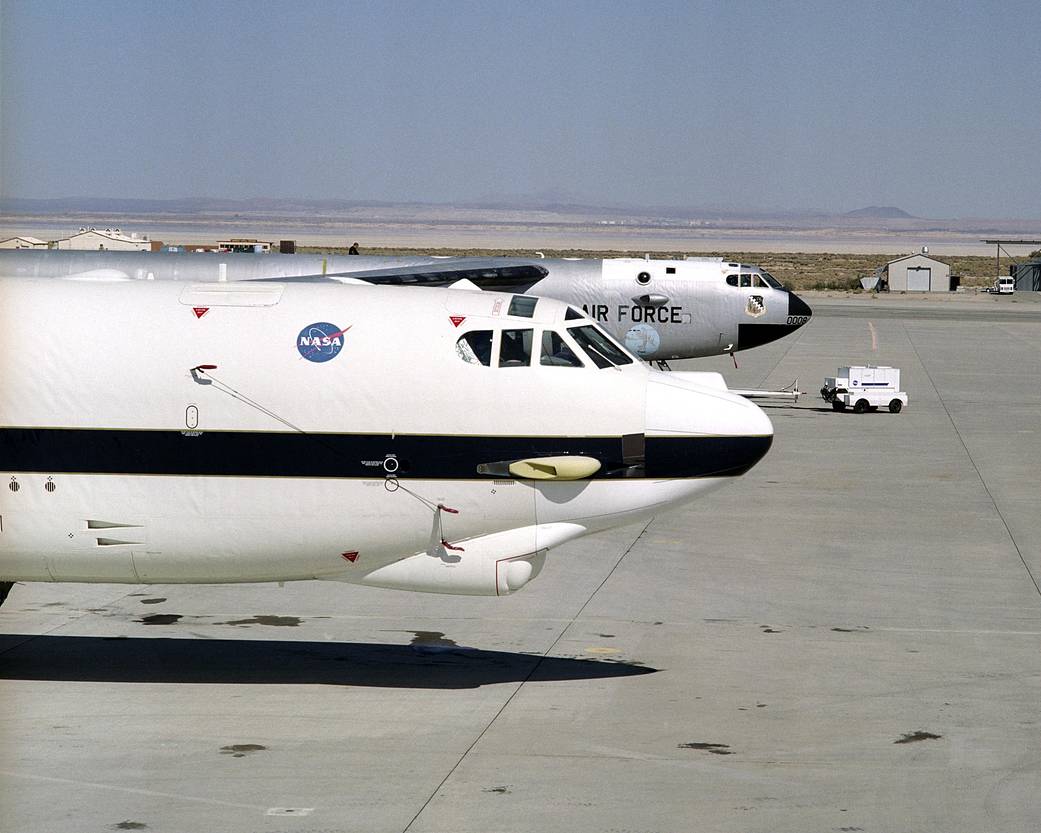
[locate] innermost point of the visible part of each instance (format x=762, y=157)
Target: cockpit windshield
x=555, y=351
x=761, y=278
x=514, y=347
x=771, y=280
x=475, y=347
x=601, y=350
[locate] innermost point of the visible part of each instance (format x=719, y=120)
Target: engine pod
x=555, y=468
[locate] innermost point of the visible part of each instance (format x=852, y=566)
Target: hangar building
x=23, y=242
x=918, y=273
x=107, y=239
x=1028, y=276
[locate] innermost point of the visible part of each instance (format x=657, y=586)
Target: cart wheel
x=895, y=406
x=861, y=407
x=836, y=405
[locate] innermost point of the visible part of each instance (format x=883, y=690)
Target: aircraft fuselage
x=660, y=309
x=167, y=432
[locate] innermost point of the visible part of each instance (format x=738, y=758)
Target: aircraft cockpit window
x=756, y=279
x=601, y=350
x=515, y=348
x=572, y=314
x=523, y=306
x=475, y=347
x=556, y=352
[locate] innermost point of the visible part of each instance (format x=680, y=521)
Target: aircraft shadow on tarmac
x=253, y=662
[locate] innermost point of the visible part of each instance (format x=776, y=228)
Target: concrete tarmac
x=846, y=639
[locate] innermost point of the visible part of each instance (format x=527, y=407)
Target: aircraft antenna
x=224, y=387
x=201, y=374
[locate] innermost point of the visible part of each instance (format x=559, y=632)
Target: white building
x=107, y=239
x=244, y=244
x=24, y=242
x=918, y=273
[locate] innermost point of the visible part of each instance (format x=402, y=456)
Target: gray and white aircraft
x=660, y=309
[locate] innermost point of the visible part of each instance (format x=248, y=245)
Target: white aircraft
x=660, y=309
x=432, y=440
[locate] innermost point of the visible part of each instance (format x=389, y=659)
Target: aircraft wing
x=501, y=274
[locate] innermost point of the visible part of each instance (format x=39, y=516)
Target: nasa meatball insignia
x=321, y=341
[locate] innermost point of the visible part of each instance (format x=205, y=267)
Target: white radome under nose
x=678, y=406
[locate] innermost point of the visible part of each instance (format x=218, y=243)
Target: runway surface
x=846, y=639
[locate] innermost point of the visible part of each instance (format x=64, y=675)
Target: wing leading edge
x=499, y=274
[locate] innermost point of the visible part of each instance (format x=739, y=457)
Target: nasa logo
x=321, y=341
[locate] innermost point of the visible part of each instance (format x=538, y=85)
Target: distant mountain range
x=190, y=205
x=554, y=202
x=546, y=209
x=880, y=212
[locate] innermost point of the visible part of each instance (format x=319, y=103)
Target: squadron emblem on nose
x=756, y=306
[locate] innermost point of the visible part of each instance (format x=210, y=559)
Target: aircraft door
x=918, y=278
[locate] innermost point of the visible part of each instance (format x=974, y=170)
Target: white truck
x=864, y=388
x=1004, y=285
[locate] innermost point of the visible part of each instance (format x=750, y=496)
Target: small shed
x=24, y=242
x=918, y=273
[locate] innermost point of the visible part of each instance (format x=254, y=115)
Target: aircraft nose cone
x=778, y=325
x=798, y=307
x=695, y=431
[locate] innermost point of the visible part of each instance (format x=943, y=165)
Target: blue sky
x=932, y=107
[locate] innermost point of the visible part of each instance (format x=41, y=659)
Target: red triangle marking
x=200, y=311
x=457, y=319
x=350, y=556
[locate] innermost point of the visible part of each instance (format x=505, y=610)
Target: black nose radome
x=754, y=335
x=797, y=306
